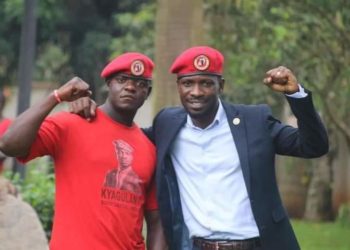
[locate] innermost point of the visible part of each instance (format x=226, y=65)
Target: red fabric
x=4, y=124
x=125, y=63
x=96, y=207
x=198, y=60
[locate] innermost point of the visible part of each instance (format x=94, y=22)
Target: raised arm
x=310, y=139
x=155, y=235
x=21, y=134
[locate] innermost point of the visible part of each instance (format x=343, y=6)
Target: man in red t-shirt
x=104, y=169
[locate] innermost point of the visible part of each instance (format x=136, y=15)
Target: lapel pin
x=236, y=121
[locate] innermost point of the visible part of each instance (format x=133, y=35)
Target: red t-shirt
x=4, y=124
x=93, y=209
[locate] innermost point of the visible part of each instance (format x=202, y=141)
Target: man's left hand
x=281, y=79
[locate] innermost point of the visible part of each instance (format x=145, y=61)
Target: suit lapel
x=172, y=129
x=237, y=125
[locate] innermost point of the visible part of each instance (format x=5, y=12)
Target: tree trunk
x=292, y=174
x=26, y=62
x=319, y=196
x=341, y=172
x=179, y=25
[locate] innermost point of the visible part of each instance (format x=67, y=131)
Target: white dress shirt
x=213, y=193
x=214, y=197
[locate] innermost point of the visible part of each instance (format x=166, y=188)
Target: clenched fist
x=73, y=89
x=281, y=79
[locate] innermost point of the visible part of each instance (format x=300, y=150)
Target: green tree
x=80, y=31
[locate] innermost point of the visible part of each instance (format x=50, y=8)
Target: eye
x=206, y=83
x=186, y=84
x=121, y=79
x=142, y=83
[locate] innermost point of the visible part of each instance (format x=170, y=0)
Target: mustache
x=196, y=99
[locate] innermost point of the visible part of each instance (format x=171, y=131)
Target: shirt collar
x=219, y=118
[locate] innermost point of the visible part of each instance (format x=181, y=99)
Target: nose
x=196, y=90
x=130, y=85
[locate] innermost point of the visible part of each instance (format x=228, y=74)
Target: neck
x=125, y=117
x=203, y=121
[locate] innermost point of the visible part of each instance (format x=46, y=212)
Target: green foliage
x=138, y=29
x=13, y=10
x=310, y=37
x=250, y=44
x=6, y=56
x=38, y=189
x=321, y=236
x=9, y=38
x=75, y=37
x=135, y=32
x=50, y=15
x=93, y=53
x=343, y=217
x=52, y=64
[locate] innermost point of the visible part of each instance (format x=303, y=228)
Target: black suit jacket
x=258, y=138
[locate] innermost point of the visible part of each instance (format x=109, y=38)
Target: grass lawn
x=322, y=236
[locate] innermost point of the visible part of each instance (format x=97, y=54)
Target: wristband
x=55, y=93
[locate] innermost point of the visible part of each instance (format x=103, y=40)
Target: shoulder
x=254, y=114
x=169, y=115
x=63, y=120
x=170, y=112
x=246, y=109
x=142, y=135
x=64, y=117
x=167, y=119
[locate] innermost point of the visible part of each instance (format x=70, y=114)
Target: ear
x=149, y=92
x=178, y=84
x=221, y=84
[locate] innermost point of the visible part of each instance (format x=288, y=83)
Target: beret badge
x=201, y=62
x=137, y=68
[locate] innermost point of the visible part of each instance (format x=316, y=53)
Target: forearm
x=155, y=235
x=312, y=132
x=21, y=134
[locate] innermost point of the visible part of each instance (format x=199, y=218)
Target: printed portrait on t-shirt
x=123, y=177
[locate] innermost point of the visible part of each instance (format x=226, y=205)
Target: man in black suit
x=215, y=175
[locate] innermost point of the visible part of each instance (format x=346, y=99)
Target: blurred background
x=43, y=43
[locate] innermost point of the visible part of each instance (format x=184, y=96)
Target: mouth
x=196, y=104
x=127, y=97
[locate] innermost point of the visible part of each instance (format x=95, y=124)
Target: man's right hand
x=85, y=107
x=73, y=89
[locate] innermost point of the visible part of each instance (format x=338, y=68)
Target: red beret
x=131, y=63
x=198, y=60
